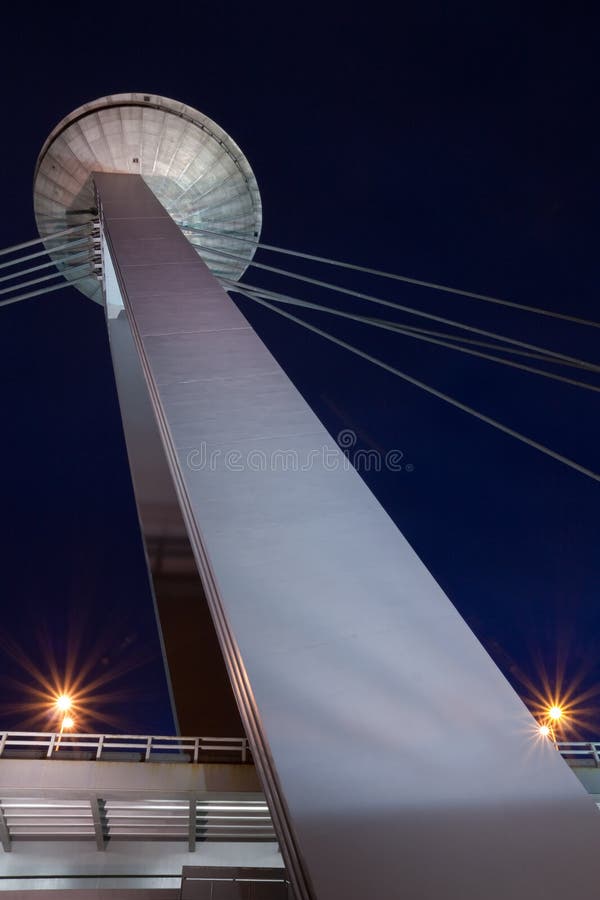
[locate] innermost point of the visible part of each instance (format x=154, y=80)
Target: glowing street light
x=63, y=703
x=554, y=714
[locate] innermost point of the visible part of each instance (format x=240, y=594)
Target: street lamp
x=548, y=728
x=63, y=704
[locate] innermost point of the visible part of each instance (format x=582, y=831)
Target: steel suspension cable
x=46, y=265
x=43, y=240
x=398, y=329
x=471, y=328
x=416, y=282
x=434, y=392
x=498, y=347
x=231, y=285
x=45, y=290
x=60, y=249
x=57, y=274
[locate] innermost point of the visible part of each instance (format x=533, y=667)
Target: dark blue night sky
x=454, y=143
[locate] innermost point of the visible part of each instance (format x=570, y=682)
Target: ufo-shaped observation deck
x=194, y=168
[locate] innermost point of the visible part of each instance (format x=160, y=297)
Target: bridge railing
x=577, y=751
x=142, y=748
x=166, y=748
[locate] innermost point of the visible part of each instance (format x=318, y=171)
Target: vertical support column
x=192, y=824
x=98, y=822
x=5, y=838
x=396, y=759
x=201, y=695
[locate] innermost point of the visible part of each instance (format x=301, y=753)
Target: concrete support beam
x=189, y=642
x=192, y=824
x=79, y=779
x=98, y=823
x=4, y=833
x=396, y=759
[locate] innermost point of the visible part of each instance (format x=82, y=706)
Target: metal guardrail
x=164, y=748
x=574, y=751
x=146, y=748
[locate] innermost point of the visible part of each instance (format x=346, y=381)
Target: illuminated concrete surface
x=395, y=757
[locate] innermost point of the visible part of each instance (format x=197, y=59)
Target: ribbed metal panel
x=233, y=820
x=31, y=818
x=152, y=818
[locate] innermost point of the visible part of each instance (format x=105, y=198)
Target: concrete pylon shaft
x=396, y=759
x=201, y=698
